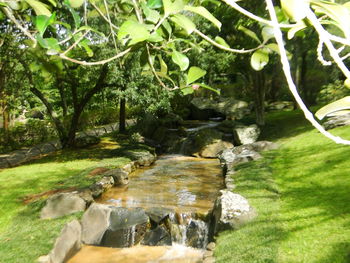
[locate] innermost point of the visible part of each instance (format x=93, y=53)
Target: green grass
x=301, y=193
x=23, y=236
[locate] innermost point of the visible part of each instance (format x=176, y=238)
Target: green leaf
x=207, y=87
x=184, y=23
x=221, y=41
x=85, y=44
x=39, y=8
x=194, y=73
x=42, y=22
x=75, y=15
x=153, y=4
x=151, y=15
x=259, y=59
x=200, y=10
x=171, y=7
x=76, y=3
x=187, y=90
x=180, y=59
x=295, y=9
x=249, y=33
x=167, y=27
x=133, y=31
x=267, y=33
x=155, y=37
x=339, y=105
x=163, y=65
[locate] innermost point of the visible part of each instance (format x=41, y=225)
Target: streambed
x=187, y=187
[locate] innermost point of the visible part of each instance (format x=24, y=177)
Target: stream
x=188, y=187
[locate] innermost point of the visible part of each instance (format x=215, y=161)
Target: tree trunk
x=259, y=97
x=122, y=116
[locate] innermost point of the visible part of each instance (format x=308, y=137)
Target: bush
x=332, y=92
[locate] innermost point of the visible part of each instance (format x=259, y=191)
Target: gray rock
x=32, y=152
x=230, y=107
x=212, y=150
x=280, y=105
x=231, y=211
x=246, y=134
x=126, y=228
x=157, y=237
x=46, y=148
x=158, y=214
x=94, y=223
x=85, y=141
x=336, y=121
x=261, y=146
x=67, y=244
x=119, y=175
x=129, y=168
x=62, y=204
x=15, y=159
x=234, y=156
x=4, y=163
x=197, y=234
x=86, y=195
x=101, y=186
x=143, y=158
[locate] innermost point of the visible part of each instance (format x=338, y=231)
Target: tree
x=155, y=25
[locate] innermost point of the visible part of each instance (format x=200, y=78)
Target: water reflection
x=179, y=182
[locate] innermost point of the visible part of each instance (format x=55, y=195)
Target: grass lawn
x=23, y=237
x=302, y=194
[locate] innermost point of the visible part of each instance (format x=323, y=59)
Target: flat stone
x=94, y=223
x=67, y=244
x=158, y=214
x=62, y=204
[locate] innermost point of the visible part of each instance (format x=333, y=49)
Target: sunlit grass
x=301, y=192
x=23, y=237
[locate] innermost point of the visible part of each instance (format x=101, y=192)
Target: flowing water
x=186, y=185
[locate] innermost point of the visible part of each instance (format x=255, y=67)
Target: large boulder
x=234, y=156
x=246, y=134
x=229, y=107
x=158, y=236
x=231, y=211
x=95, y=222
x=142, y=158
x=62, y=204
x=197, y=234
x=67, y=244
x=127, y=227
x=208, y=143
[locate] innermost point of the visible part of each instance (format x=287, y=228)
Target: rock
x=246, y=134
x=126, y=228
x=231, y=211
x=85, y=141
x=234, y=156
x=197, y=234
x=130, y=167
x=211, y=246
x=86, y=195
x=46, y=148
x=67, y=244
x=101, y=186
x=337, y=121
x=62, y=204
x=212, y=150
x=158, y=214
x=208, y=253
x=157, y=237
x=94, y=223
x=120, y=176
x=229, y=107
x=261, y=146
x=142, y=158
x=280, y=105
